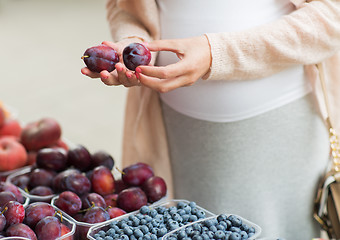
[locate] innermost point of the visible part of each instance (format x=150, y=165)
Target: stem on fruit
x=85, y=56
x=5, y=209
x=85, y=210
x=120, y=171
x=26, y=190
x=107, y=207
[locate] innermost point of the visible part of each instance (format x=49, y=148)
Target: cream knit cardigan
x=307, y=36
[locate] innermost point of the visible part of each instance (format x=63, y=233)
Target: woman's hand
x=120, y=76
x=195, y=60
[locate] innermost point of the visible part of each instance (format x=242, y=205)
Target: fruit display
x=103, y=57
x=36, y=221
x=222, y=226
x=99, y=58
x=150, y=222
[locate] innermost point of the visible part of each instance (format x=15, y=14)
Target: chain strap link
x=335, y=149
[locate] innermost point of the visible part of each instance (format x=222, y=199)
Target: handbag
x=327, y=200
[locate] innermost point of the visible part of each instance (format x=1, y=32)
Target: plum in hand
x=136, y=54
x=101, y=57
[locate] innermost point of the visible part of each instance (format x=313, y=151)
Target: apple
x=13, y=155
x=41, y=133
x=11, y=127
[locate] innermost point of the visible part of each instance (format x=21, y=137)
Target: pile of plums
x=34, y=221
x=85, y=185
x=103, y=57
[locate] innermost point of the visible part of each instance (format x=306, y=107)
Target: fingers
x=165, y=85
x=125, y=76
x=166, y=72
x=89, y=73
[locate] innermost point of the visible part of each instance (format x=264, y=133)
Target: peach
x=41, y=133
x=13, y=155
x=11, y=127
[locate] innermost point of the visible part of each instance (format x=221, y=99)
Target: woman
x=232, y=110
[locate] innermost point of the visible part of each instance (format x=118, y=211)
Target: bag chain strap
x=333, y=137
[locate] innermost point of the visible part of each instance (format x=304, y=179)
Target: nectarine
x=13, y=155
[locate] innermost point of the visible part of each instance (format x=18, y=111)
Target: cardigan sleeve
x=306, y=36
x=129, y=18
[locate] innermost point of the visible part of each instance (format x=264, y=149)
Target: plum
x=48, y=228
x=102, y=180
x=79, y=157
x=21, y=230
x=131, y=199
x=69, y=202
x=101, y=57
x=102, y=158
x=52, y=159
x=37, y=211
x=154, y=188
x=136, y=54
x=15, y=213
x=136, y=174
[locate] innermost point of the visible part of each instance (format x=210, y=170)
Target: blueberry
x=181, y=211
x=144, y=229
x=181, y=234
x=153, y=212
x=208, y=223
x=193, y=218
x=219, y=234
x=128, y=231
x=197, y=237
x=124, y=237
x=194, y=210
x=244, y=235
x=187, y=209
x=235, y=221
x=159, y=218
x=143, y=222
x=185, y=218
x=235, y=236
x=138, y=233
x=161, y=209
x=200, y=214
x=197, y=227
x=177, y=217
x=244, y=227
x=155, y=223
x=205, y=236
x=220, y=227
x=181, y=204
x=235, y=229
x=153, y=237
x=192, y=204
x=210, y=234
x=144, y=210
x=221, y=217
x=188, y=230
x=251, y=230
x=213, y=228
x=161, y=232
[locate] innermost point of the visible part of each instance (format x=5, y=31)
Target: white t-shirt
x=227, y=101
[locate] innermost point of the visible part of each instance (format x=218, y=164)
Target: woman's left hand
x=195, y=60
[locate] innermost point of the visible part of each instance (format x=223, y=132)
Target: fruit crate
x=105, y=226
x=82, y=228
x=257, y=229
x=69, y=223
x=32, y=198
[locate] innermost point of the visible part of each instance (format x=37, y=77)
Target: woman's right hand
x=120, y=76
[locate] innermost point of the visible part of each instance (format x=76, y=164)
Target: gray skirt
x=264, y=169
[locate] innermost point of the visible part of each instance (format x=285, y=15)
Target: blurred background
x=41, y=42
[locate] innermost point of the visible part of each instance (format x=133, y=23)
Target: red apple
x=39, y=134
x=13, y=155
x=11, y=127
